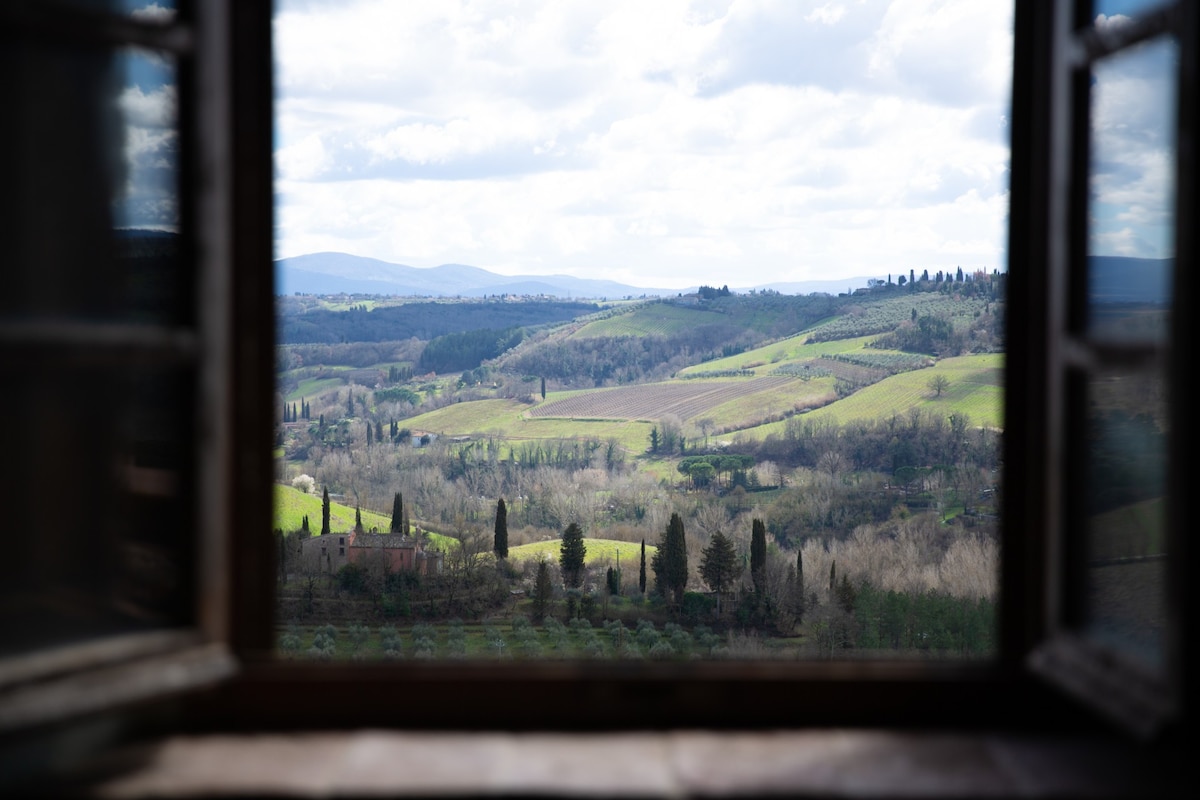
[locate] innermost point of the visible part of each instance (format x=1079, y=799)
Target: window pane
x=1111, y=11
x=114, y=444
x=1132, y=192
x=1126, y=530
x=106, y=159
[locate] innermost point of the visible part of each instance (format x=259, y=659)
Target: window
x=217, y=354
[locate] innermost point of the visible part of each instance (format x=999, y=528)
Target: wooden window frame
x=230, y=177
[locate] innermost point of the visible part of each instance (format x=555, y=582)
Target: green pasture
x=600, y=552
x=311, y=388
x=292, y=505
x=656, y=319
x=766, y=358
x=975, y=388
x=751, y=409
x=502, y=420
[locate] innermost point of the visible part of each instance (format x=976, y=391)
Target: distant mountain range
x=341, y=273
x=1111, y=279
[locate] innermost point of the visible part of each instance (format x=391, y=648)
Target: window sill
x=831, y=762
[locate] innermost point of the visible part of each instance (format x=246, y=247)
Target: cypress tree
x=325, y=511
x=369, y=435
x=642, y=570
x=397, y=515
x=571, y=556
x=304, y=526
x=358, y=520
x=294, y=417
x=543, y=388
x=833, y=580
x=670, y=561
x=542, y=590
x=378, y=430
x=758, y=553
x=613, y=582
x=798, y=593
x=500, y=540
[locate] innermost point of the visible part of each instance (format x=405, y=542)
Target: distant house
x=403, y=553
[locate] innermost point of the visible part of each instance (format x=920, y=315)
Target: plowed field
x=685, y=399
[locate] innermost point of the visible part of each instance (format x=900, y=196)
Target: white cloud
x=153, y=12
x=736, y=141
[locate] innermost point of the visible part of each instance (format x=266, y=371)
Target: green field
x=600, y=552
x=504, y=421
x=292, y=505
x=975, y=389
x=310, y=388
x=656, y=319
x=766, y=358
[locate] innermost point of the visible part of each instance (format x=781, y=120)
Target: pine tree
x=642, y=570
x=719, y=565
x=397, y=515
x=670, y=561
x=758, y=553
x=325, y=511
x=571, y=555
x=542, y=590
x=500, y=541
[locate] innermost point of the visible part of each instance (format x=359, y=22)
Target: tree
x=798, y=586
x=758, y=553
x=543, y=388
x=654, y=440
x=358, y=528
x=670, y=561
x=937, y=384
x=397, y=525
x=500, y=542
x=572, y=552
x=719, y=565
x=613, y=581
x=542, y=590
x=325, y=511
x=642, y=570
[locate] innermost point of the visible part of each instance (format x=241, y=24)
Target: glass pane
x=1132, y=192
x=1126, y=530
x=114, y=443
x=1115, y=12
x=146, y=10
x=106, y=158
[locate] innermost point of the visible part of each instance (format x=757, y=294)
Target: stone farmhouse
x=403, y=553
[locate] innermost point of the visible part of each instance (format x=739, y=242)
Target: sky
x=664, y=143
x=661, y=144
